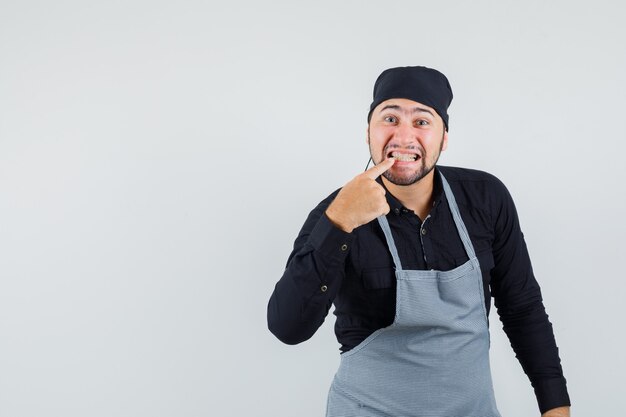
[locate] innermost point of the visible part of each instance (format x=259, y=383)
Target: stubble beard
x=421, y=172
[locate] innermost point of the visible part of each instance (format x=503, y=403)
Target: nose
x=404, y=134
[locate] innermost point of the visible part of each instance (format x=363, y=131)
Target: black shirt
x=355, y=272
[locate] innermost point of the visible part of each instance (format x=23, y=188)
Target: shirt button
x=396, y=210
x=344, y=247
x=324, y=288
x=423, y=231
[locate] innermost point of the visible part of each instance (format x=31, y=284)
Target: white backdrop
x=157, y=159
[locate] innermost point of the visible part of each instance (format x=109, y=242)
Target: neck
x=417, y=196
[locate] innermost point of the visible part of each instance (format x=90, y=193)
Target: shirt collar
x=396, y=206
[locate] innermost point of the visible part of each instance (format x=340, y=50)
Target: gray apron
x=433, y=360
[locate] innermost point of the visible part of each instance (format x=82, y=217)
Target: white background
x=157, y=159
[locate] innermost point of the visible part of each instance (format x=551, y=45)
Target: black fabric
x=424, y=85
x=355, y=272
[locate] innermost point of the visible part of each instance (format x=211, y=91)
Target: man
x=410, y=253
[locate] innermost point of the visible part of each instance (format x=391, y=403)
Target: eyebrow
x=414, y=110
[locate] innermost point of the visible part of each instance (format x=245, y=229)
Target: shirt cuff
x=330, y=241
x=551, y=393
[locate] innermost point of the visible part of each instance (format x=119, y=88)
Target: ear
x=444, y=145
x=367, y=135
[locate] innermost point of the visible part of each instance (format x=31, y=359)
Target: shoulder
x=467, y=175
x=476, y=186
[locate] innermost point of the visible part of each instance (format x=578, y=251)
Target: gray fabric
x=433, y=361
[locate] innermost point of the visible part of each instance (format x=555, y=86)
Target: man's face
x=411, y=132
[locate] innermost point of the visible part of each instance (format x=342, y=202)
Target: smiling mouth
x=403, y=157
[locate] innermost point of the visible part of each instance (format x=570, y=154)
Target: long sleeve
x=302, y=297
x=520, y=306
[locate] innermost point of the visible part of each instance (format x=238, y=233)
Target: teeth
x=398, y=156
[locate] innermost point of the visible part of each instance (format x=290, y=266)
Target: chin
x=402, y=181
x=408, y=179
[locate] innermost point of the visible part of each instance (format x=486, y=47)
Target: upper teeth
x=403, y=156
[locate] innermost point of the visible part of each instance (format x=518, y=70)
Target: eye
x=391, y=119
x=421, y=122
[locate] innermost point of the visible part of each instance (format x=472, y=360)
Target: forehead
x=404, y=105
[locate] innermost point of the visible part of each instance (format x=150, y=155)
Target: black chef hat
x=424, y=85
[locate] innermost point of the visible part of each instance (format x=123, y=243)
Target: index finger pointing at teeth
x=377, y=170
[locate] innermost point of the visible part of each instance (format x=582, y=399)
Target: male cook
x=410, y=253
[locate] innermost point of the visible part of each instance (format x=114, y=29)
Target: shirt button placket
x=423, y=233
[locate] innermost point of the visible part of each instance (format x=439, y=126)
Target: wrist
x=338, y=221
x=557, y=412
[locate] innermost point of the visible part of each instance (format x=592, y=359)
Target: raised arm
x=316, y=266
x=312, y=277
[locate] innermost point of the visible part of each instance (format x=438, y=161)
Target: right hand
x=361, y=200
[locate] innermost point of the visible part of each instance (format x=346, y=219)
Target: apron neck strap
x=384, y=224
x=456, y=215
